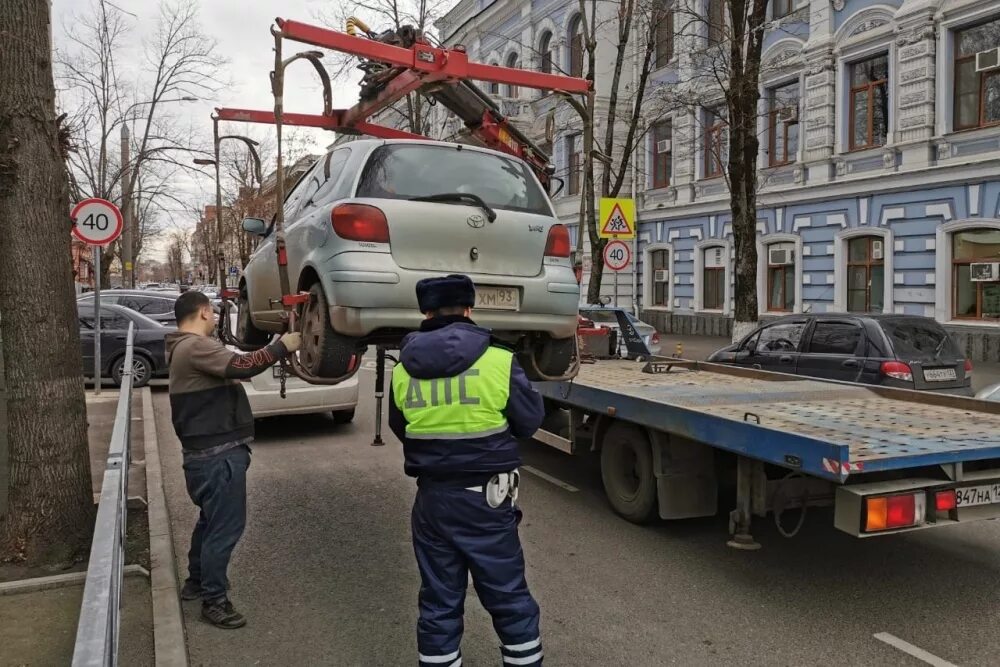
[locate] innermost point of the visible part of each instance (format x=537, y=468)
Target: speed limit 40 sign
x=97, y=221
x=617, y=255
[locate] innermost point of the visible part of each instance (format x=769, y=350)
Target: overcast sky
x=241, y=28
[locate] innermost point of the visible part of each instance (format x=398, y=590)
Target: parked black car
x=148, y=351
x=892, y=350
x=158, y=306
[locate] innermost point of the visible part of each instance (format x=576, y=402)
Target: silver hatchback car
x=373, y=217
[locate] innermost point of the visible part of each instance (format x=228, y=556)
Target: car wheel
x=343, y=416
x=245, y=329
x=627, y=472
x=324, y=353
x=553, y=356
x=142, y=371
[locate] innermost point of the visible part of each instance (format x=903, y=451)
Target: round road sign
x=617, y=255
x=98, y=221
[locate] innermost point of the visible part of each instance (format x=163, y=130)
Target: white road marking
x=915, y=651
x=549, y=478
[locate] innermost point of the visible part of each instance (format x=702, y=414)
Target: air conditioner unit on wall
x=713, y=258
x=789, y=114
x=985, y=272
x=663, y=146
x=988, y=59
x=877, y=249
x=780, y=257
x=661, y=276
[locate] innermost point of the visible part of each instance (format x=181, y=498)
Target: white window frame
x=840, y=266
x=848, y=57
x=647, y=276
x=945, y=61
x=943, y=287
x=699, y=275
x=763, y=243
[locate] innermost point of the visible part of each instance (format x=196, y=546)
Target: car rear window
x=604, y=316
x=403, y=171
x=919, y=339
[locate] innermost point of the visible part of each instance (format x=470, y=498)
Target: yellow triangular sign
x=617, y=216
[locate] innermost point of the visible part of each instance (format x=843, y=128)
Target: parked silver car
x=607, y=316
x=373, y=217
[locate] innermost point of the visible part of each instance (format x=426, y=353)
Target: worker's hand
x=292, y=341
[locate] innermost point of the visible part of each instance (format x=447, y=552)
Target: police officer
x=457, y=403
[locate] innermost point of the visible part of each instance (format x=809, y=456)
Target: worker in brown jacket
x=212, y=419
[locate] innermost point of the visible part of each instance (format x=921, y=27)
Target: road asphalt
x=325, y=571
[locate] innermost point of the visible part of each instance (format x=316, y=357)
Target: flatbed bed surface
x=830, y=429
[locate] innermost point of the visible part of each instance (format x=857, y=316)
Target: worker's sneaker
x=221, y=614
x=191, y=591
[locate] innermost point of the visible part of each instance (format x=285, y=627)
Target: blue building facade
x=879, y=165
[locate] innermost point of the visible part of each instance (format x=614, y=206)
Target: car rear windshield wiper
x=467, y=197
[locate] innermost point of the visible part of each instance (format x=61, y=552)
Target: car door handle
x=785, y=359
x=851, y=363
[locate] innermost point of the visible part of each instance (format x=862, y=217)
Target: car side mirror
x=255, y=226
x=742, y=355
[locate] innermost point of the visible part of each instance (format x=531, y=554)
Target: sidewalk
x=39, y=627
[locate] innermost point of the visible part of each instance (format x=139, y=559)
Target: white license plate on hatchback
x=498, y=298
x=940, y=374
x=986, y=494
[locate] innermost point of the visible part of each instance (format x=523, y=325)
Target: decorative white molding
x=863, y=203
x=942, y=209
x=893, y=213
x=800, y=222
x=973, y=200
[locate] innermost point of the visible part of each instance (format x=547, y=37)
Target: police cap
x=444, y=292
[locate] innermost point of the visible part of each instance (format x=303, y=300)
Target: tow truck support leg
x=740, y=518
x=379, y=393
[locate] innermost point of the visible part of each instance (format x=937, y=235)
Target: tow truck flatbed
x=839, y=432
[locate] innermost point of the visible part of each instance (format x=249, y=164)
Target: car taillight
x=889, y=512
x=360, y=222
x=655, y=338
x=945, y=500
x=897, y=370
x=557, y=245
x=968, y=368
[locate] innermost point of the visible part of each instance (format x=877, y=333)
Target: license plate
x=940, y=374
x=498, y=298
x=978, y=495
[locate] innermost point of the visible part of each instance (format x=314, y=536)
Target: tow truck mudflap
x=896, y=506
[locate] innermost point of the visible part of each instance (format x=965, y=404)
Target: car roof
x=858, y=316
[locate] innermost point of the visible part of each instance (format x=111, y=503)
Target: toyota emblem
x=476, y=221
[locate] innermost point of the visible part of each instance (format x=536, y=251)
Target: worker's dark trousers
x=218, y=486
x=456, y=532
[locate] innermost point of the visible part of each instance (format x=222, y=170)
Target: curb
x=36, y=584
x=169, y=644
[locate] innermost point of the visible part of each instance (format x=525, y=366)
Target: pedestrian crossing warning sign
x=617, y=218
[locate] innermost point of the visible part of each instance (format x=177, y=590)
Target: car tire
x=554, y=356
x=343, y=416
x=246, y=332
x=324, y=352
x=627, y=472
x=142, y=371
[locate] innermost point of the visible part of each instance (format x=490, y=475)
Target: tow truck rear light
x=557, y=245
x=360, y=222
x=898, y=511
x=897, y=370
x=945, y=500
x=968, y=368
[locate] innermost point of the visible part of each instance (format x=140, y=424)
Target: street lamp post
x=219, y=235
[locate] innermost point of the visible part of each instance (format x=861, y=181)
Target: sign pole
x=616, y=289
x=97, y=320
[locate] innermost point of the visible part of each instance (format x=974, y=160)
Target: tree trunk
x=51, y=509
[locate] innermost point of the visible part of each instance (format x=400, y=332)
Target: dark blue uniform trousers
x=456, y=532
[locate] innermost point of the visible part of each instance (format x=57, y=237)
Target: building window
x=662, y=148
x=783, y=124
x=716, y=21
x=781, y=277
x=512, y=90
x=576, y=47
x=865, y=274
x=659, y=278
x=494, y=86
x=573, y=163
x=545, y=48
x=977, y=94
x=869, y=117
x=715, y=141
x=665, y=37
x=974, y=256
x=781, y=8
x=714, y=278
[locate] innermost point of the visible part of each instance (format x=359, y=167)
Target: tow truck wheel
x=627, y=472
x=245, y=329
x=324, y=353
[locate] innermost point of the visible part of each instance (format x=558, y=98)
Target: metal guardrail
x=100, y=613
